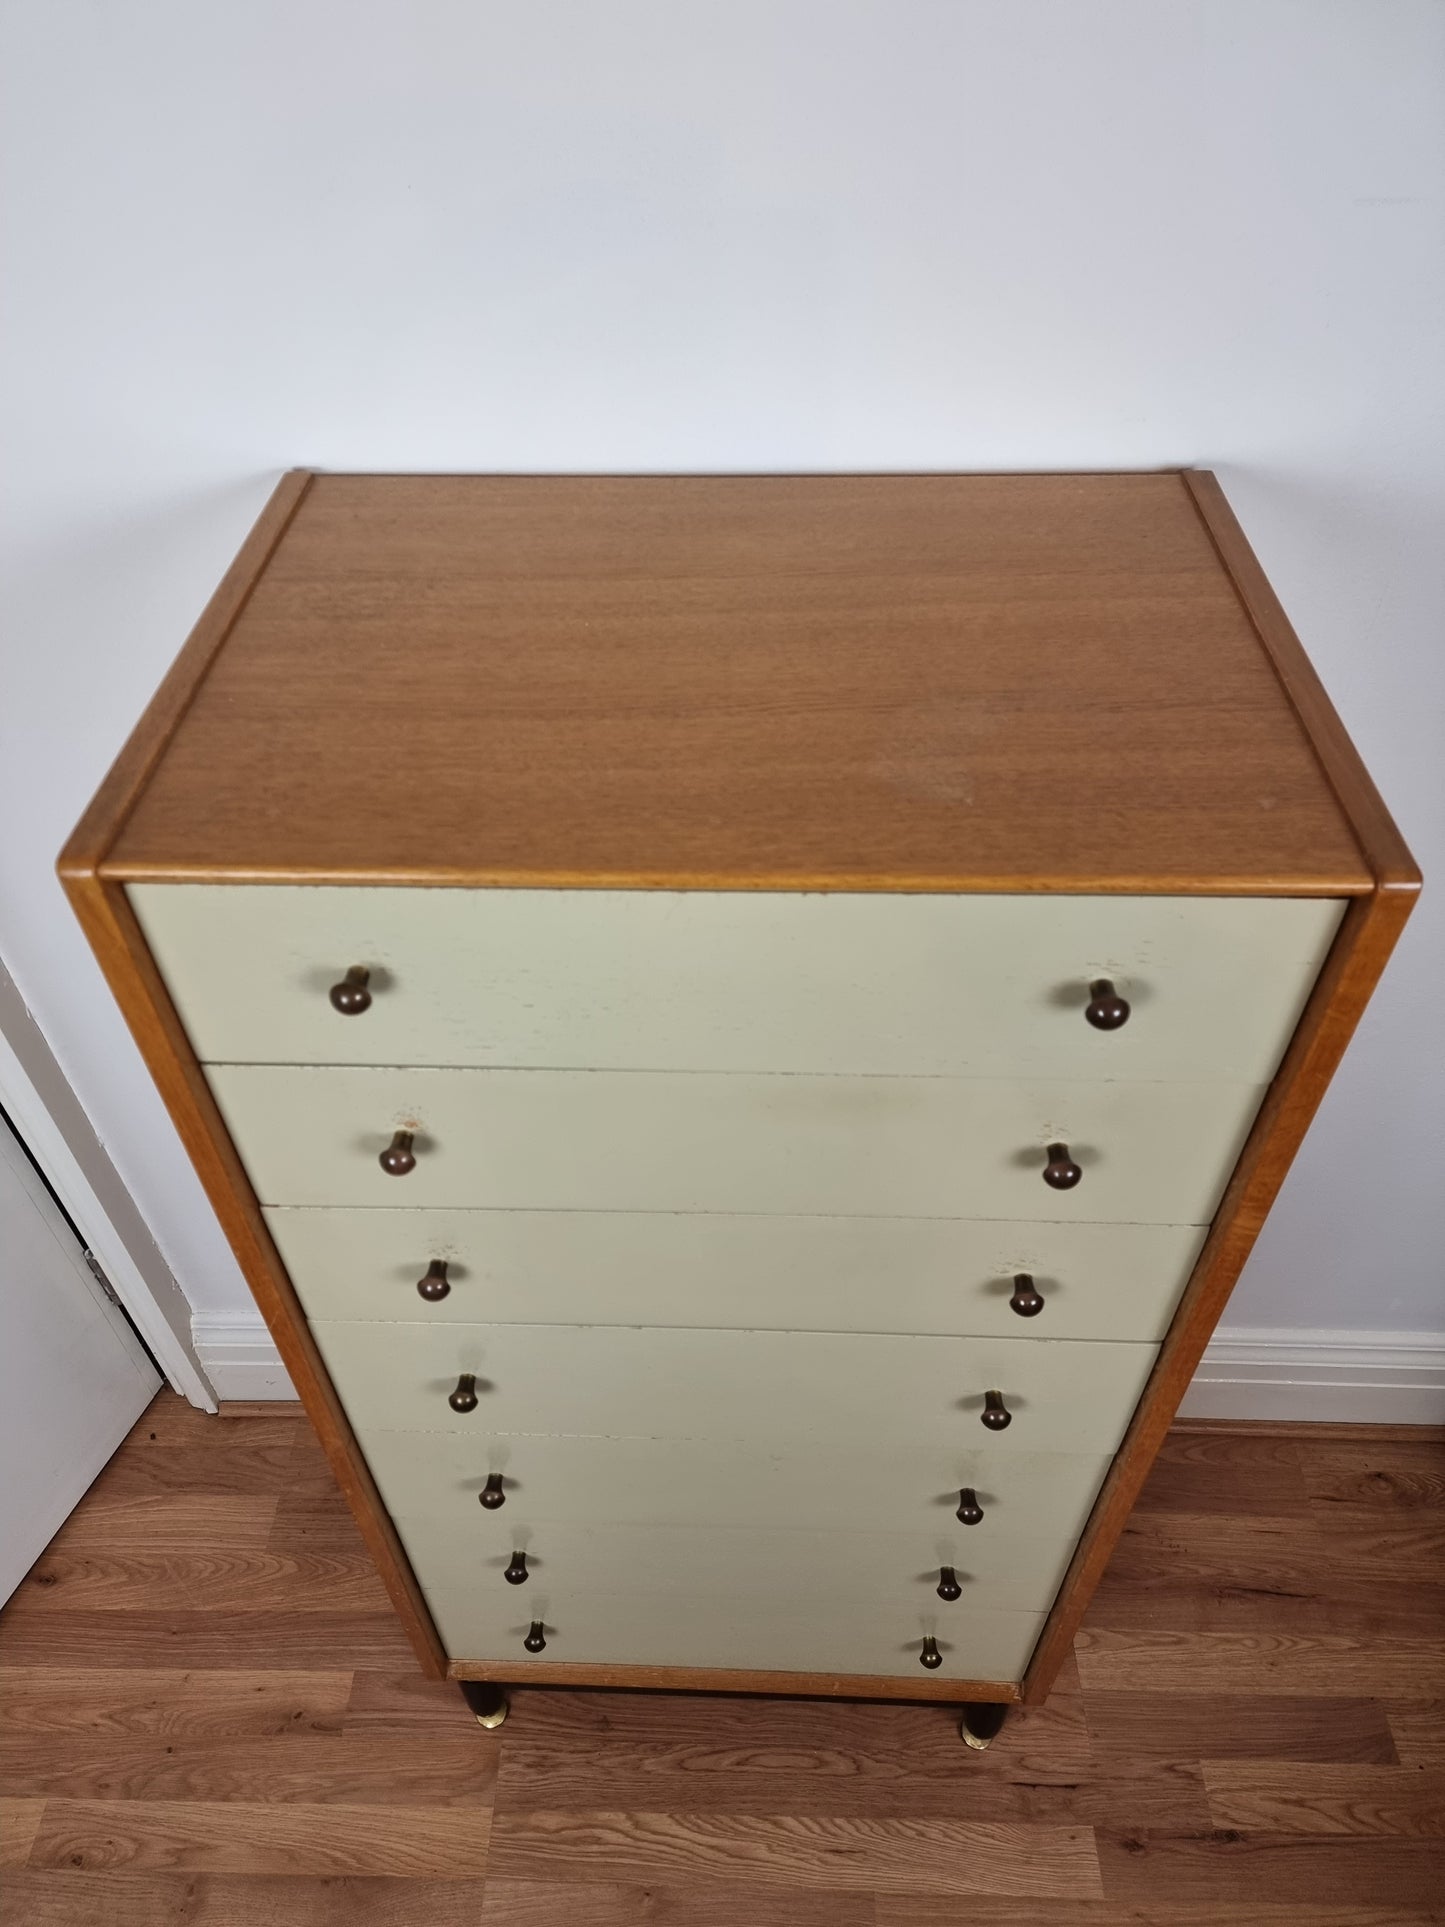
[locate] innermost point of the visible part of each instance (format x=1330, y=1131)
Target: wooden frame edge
x=718, y=1679
x=120, y=948
x=1367, y=935
x=94, y=835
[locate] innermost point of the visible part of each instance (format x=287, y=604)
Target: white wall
x=767, y=234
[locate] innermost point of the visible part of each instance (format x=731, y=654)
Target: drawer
x=744, y=1563
x=911, y=1488
x=778, y=1390
x=698, y=1268
x=649, y=1140
x=841, y=1636
x=738, y=981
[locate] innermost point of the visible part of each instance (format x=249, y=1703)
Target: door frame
x=51, y=1124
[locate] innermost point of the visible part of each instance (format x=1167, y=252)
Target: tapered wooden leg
x=488, y=1701
x=981, y=1723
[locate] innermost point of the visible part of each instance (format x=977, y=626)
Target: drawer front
x=702, y=1269
x=611, y=1140
x=844, y=1636
x=911, y=1488
x=745, y=1563
x=776, y=1390
x=887, y=985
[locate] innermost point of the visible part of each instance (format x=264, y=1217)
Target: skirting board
x=1329, y=1377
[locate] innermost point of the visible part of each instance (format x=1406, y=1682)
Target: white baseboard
x=239, y=1356
x=1345, y=1377
x=1339, y=1377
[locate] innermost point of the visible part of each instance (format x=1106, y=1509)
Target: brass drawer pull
x=536, y=1642
x=491, y=1494
x=464, y=1398
x=1027, y=1300
x=435, y=1285
x=1060, y=1173
x=516, y=1573
x=948, y=1586
x=970, y=1512
x=398, y=1158
x=995, y=1414
x=1106, y=1009
x=351, y=995
x=930, y=1656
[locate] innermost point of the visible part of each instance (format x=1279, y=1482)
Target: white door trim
x=78, y=1168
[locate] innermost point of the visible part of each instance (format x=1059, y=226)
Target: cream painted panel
x=820, y=1635
x=911, y=1488
x=776, y=1390
x=739, y=981
x=744, y=1562
x=649, y=1140
x=697, y=1268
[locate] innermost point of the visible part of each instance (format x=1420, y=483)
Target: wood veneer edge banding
x=136, y=983
x=716, y=1679
x=1367, y=935
x=120, y=788
x=1381, y=843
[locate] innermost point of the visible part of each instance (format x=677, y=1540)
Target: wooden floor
x=208, y=1716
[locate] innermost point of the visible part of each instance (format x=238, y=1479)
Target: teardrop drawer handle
x=1060, y=1173
x=398, y=1158
x=516, y=1573
x=948, y=1586
x=930, y=1656
x=435, y=1285
x=464, y=1398
x=351, y=995
x=995, y=1414
x=1027, y=1300
x=970, y=1512
x=491, y=1494
x=1106, y=1010
x=536, y=1642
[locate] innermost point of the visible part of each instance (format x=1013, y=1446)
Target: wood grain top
x=850, y=682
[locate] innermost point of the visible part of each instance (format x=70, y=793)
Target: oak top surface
x=885, y=682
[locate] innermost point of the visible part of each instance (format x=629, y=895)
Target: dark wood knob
x=398, y=1158
x=1106, y=1009
x=948, y=1586
x=1060, y=1172
x=535, y=1642
x=435, y=1286
x=516, y=1573
x=970, y=1512
x=995, y=1414
x=464, y=1398
x=351, y=995
x=491, y=1494
x=1026, y=1300
x=930, y=1656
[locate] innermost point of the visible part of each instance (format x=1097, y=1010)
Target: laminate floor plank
x=245, y=1837
x=209, y=1717
x=788, y=1850
x=46, y=1701
x=115, y=1899
x=1266, y=1796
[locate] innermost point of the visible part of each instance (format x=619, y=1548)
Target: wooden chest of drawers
x=748, y=1025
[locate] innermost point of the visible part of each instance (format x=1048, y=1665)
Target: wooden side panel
x=135, y=983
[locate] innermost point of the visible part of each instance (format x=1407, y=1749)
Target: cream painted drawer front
x=698, y=1268
x=892, y=985
x=821, y=1635
x=910, y=1488
x=777, y=1390
x=616, y=1140
x=746, y=1563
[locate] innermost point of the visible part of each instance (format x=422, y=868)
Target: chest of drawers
x=741, y=1031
